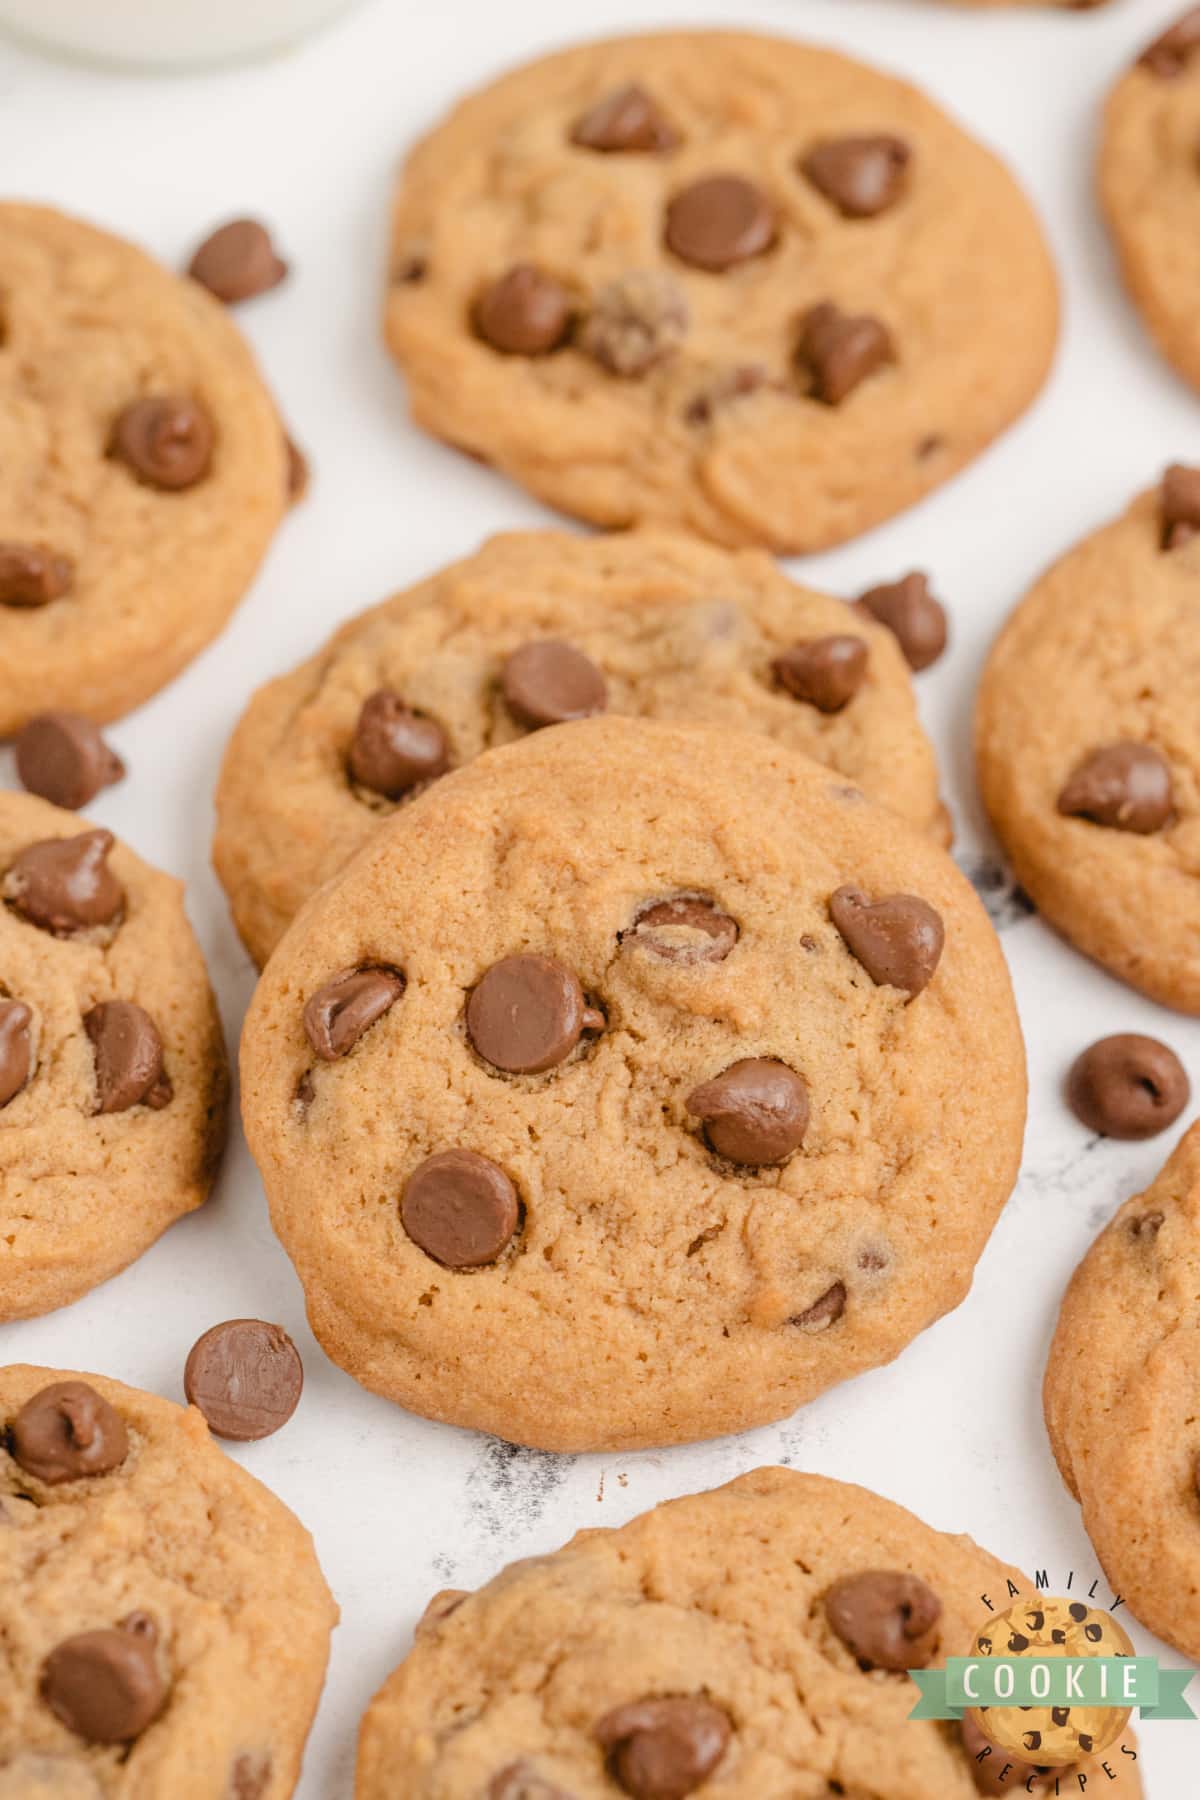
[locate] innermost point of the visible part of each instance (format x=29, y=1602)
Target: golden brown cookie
x=142, y=469
x=751, y=1642
x=730, y=282
x=1088, y=743
x=633, y=1085
x=672, y=628
x=113, y=1077
x=166, y=1624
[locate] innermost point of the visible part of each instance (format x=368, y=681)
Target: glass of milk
x=167, y=33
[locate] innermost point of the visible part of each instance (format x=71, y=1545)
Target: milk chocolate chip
x=549, y=683
x=861, y=175
x=825, y=672
x=882, y=1616
x=911, y=613
x=1170, y=53
x=460, y=1208
x=237, y=262
x=627, y=119
x=1180, y=510
x=663, y=1749
x=33, y=576
x=64, y=885
x=106, y=1686
x=525, y=313
x=898, y=940
x=165, y=441
x=756, y=1112
x=250, y=1776
x=685, y=930
x=719, y=221
x=838, y=351
x=1128, y=1086
x=528, y=1013
x=246, y=1377
x=394, y=748
x=16, y=1048
x=67, y=1431
x=339, y=1013
x=62, y=757
x=1125, y=786
x=636, y=321
x=129, y=1058
x=823, y=1312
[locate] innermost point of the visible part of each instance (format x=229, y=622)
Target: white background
x=310, y=141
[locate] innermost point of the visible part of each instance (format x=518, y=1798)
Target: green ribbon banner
x=1103, y=1681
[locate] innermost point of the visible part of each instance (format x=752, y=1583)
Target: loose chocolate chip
x=755, y=1112
x=237, y=262
x=105, y=1686
x=525, y=313
x=824, y=672
x=521, y=1781
x=838, y=351
x=862, y=176
x=64, y=885
x=528, y=1013
x=549, y=683
x=730, y=385
x=33, y=576
x=395, y=749
x=995, y=1771
x=719, y=221
x=636, y=321
x=246, y=1377
x=626, y=119
x=686, y=930
x=165, y=441
x=1180, y=510
x=882, y=1616
x=63, y=757
x=1170, y=54
x=898, y=940
x=16, y=1048
x=823, y=1312
x=909, y=610
x=129, y=1058
x=350, y=1002
x=68, y=1431
x=1128, y=1086
x=1125, y=786
x=299, y=471
x=460, y=1208
x=250, y=1776
x=663, y=1749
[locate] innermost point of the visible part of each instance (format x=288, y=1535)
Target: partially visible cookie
x=751, y=1642
x=670, y=629
x=166, y=1624
x=113, y=1076
x=142, y=469
x=1088, y=743
x=730, y=282
x=1120, y=1388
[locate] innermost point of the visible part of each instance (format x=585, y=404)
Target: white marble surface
x=310, y=141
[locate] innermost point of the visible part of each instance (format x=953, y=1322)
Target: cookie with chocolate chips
x=185, y=1657
x=749, y=1642
x=539, y=628
x=1088, y=760
x=113, y=1077
x=1119, y=1396
x=142, y=470
x=653, y=1061
x=738, y=283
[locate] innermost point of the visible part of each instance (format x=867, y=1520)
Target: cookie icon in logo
x=1040, y=1630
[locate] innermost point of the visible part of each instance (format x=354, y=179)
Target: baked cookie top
x=166, y=1625
x=726, y=281
x=1088, y=746
x=1149, y=180
x=113, y=1076
x=653, y=1061
x=142, y=469
x=1119, y=1398
x=756, y=1635
x=473, y=657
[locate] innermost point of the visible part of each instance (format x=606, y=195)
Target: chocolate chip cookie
x=1120, y=1398
x=166, y=1625
x=749, y=1642
x=725, y=281
x=113, y=1078
x=1150, y=183
x=539, y=627
x=142, y=470
x=1088, y=750
x=633, y=1085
